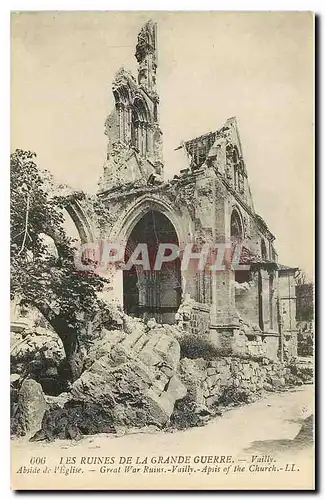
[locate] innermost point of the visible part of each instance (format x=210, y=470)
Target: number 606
x=37, y=460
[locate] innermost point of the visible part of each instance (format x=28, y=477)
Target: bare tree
x=300, y=277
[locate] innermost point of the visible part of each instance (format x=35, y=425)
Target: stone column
x=146, y=138
x=136, y=133
x=288, y=301
x=223, y=297
x=150, y=138
x=213, y=315
x=221, y=155
x=265, y=299
x=128, y=121
x=139, y=131
x=188, y=283
x=113, y=291
x=272, y=297
x=142, y=286
x=119, y=108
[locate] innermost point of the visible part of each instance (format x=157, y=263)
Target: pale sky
x=211, y=66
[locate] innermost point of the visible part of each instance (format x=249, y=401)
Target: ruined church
x=247, y=310
x=208, y=202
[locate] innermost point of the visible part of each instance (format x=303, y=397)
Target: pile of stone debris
x=132, y=377
x=129, y=379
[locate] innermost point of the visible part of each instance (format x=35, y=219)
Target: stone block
x=31, y=406
x=213, y=380
x=212, y=399
x=206, y=393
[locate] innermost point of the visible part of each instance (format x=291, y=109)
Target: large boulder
x=31, y=407
x=135, y=380
x=130, y=380
x=60, y=400
x=102, y=345
x=38, y=353
x=35, y=345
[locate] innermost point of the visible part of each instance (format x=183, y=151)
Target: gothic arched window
x=235, y=176
x=139, y=126
x=263, y=250
x=236, y=228
x=235, y=156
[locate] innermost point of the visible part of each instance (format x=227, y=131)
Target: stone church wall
x=208, y=203
x=200, y=319
x=246, y=298
x=208, y=381
x=290, y=346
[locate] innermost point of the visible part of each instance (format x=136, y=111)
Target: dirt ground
x=266, y=428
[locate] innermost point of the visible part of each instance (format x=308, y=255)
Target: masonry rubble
x=242, y=320
x=137, y=377
x=209, y=202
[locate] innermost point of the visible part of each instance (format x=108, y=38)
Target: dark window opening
x=263, y=250
x=139, y=126
x=236, y=230
x=242, y=276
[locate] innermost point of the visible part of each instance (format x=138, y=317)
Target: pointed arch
x=181, y=220
x=236, y=226
x=81, y=221
x=140, y=119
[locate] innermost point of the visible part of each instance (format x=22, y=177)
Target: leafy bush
x=235, y=395
x=196, y=346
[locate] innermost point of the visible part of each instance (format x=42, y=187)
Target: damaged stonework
x=227, y=381
x=209, y=202
x=29, y=408
x=134, y=149
x=38, y=353
x=130, y=377
x=136, y=377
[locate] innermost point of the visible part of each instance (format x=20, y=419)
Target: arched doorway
x=152, y=293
